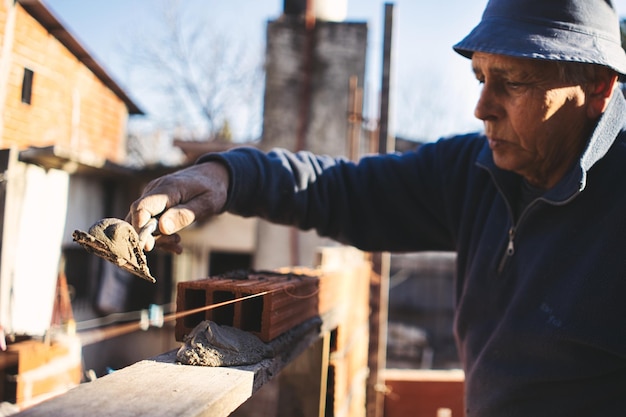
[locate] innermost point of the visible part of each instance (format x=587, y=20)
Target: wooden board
x=160, y=387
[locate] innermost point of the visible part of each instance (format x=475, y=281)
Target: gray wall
x=306, y=106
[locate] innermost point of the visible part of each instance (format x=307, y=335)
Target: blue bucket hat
x=557, y=30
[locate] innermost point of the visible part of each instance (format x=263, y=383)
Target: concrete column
x=306, y=105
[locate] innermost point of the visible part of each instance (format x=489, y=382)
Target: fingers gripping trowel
x=117, y=241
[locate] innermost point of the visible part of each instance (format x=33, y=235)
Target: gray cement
x=116, y=241
x=210, y=344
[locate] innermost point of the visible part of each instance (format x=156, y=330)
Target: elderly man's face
x=536, y=124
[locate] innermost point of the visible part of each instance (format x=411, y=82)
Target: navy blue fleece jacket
x=540, y=301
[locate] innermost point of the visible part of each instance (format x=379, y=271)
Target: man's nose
x=486, y=106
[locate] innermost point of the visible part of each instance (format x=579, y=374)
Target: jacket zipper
x=510, y=249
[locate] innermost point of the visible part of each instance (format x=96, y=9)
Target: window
x=27, y=85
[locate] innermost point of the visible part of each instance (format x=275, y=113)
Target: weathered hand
x=178, y=199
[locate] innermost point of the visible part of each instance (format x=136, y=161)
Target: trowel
x=117, y=241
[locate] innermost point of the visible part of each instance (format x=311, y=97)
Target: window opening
x=27, y=85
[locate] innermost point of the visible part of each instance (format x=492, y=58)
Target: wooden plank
x=161, y=387
x=155, y=389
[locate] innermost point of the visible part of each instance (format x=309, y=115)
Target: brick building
x=53, y=92
x=62, y=117
x=62, y=148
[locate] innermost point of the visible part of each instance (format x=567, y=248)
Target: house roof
x=81, y=163
x=45, y=17
x=195, y=149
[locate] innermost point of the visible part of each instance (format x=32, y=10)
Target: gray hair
x=578, y=72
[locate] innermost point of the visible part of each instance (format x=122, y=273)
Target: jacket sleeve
x=391, y=202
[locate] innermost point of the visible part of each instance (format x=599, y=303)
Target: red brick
x=291, y=300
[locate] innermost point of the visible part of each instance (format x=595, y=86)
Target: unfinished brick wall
x=291, y=298
x=338, y=290
x=349, y=351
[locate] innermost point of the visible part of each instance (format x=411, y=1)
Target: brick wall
x=70, y=106
x=339, y=291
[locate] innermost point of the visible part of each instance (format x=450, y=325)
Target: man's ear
x=600, y=92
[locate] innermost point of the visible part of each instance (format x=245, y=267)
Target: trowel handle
x=149, y=229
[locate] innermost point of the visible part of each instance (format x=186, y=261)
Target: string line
x=98, y=335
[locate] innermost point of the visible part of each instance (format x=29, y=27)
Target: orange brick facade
x=70, y=107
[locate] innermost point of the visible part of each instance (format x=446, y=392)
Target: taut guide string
x=94, y=336
x=98, y=335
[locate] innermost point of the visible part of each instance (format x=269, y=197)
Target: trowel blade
x=116, y=241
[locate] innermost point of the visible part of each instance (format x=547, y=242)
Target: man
x=535, y=208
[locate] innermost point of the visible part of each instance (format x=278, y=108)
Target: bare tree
x=195, y=77
x=432, y=103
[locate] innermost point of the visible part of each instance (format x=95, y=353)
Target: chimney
x=294, y=7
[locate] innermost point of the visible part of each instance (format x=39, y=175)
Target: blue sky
x=437, y=84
